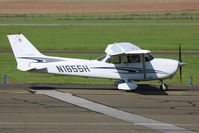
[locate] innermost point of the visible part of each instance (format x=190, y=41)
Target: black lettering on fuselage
x=68, y=68
x=73, y=68
x=59, y=68
x=64, y=68
x=86, y=68
x=79, y=67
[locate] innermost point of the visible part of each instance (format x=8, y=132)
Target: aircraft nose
x=168, y=66
x=172, y=66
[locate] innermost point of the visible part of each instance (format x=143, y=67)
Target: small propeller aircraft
x=123, y=61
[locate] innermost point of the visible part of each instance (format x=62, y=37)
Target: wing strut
x=143, y=64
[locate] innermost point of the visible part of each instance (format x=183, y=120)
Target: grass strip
x=96, y=38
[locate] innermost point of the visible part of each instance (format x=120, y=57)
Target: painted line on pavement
x=65, y=123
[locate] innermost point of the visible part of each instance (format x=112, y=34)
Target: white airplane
x=123, y=61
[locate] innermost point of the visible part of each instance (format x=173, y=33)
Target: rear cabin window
x=131, y=58
x=114, y=60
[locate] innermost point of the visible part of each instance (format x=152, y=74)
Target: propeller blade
x=180, y=54
x=180, y=63
x=180, y=74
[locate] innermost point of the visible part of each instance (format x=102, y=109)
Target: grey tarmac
x=22, y=111
x=72, y=24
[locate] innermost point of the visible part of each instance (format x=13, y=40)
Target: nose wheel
x=163, y=86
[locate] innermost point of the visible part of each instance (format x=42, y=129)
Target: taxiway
x=22, y=111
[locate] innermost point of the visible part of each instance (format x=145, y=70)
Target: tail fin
x=22, y=50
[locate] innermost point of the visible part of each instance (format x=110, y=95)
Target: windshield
x=101, y=58
x=148, y=57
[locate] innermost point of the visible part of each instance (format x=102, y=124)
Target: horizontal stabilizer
x=30, y=68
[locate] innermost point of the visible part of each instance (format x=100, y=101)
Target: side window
x=125, y=59
x=131, y=58
x=114, y=60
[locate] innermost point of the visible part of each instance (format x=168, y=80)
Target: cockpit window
x=114, y=59
x=131, y=58
x=148, y=57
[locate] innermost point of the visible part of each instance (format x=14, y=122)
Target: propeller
x=180, y=62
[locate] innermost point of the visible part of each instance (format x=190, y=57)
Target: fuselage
x=124, y=61
x=157, y=68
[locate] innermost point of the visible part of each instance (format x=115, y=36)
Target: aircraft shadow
x=73, y=87
x=42, y=88
x=142, y=89
x=149, y=90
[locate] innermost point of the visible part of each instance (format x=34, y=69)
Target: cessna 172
x=123, y=61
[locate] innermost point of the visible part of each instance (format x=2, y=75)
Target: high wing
x=124, y=48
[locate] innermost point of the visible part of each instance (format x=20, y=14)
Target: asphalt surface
x=22, y=111
x=102, y=52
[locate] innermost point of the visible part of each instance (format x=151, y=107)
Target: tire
x=163, y=87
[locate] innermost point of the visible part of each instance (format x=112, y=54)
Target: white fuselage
x=157, y=68
x=124, y=61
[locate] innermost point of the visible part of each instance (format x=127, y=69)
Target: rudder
x=23, y=49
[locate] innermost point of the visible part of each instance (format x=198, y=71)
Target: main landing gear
x=163, y=86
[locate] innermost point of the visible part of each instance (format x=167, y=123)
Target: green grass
x=8, y=67
x=113, y=17
x=147, y=21
x=100, y=18
x=98, y=37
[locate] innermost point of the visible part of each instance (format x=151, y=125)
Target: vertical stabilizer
x=22, y=50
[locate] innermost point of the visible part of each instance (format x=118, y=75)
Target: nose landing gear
x=163, y=86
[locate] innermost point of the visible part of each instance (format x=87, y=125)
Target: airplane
x=123, y=61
